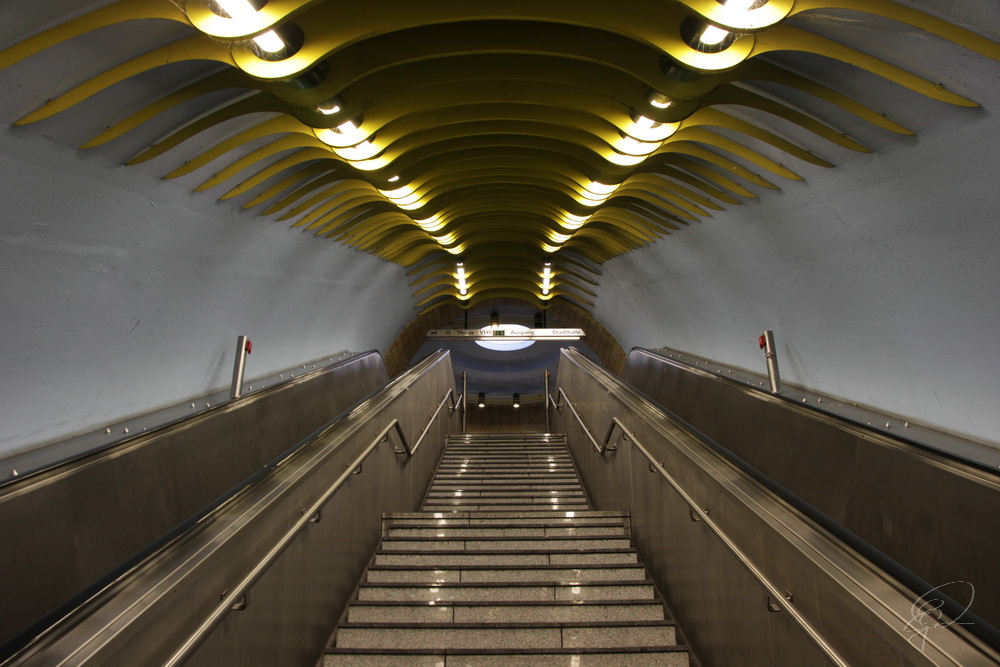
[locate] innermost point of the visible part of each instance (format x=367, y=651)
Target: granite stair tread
x=506, y=563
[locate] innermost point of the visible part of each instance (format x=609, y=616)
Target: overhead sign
x=505, y=333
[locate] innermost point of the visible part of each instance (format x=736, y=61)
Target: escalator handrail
x=774, y=592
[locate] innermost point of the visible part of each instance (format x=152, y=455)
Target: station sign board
x=505, y=333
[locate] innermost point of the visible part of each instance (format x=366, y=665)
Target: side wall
x=880, y=277
x=122, y=293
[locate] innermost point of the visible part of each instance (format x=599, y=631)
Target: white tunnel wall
x=881, y=281
x=122, y=293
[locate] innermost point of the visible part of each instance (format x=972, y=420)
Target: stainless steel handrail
x=703, y=516
x=600, y=449
x=465, y=399
x=454, y=405
x=224, y=607
x=615, y=423
x=237, y=592
x=548, y=421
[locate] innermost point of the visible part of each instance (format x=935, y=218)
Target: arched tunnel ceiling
x=501, y=135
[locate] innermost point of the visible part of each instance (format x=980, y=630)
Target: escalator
x=265, y=575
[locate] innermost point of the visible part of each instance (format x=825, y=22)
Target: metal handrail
x=615, y=423
x=465, y=399
x=703, y=516
x=308, y=516
x=548, y=422
x=600, y=448
x=454, y=406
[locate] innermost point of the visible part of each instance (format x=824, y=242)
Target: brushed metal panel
x=85, y=519
x=709, y=578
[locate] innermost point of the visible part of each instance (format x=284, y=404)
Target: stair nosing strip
x=651, y=602
x=375, y=625
x=575, y=566
x=617, y=650
x=506, y=584
x=503, y=552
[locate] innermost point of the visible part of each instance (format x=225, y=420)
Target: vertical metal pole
x=772, y=361
x=238, y=367
x=465, y=397
x=548, y=426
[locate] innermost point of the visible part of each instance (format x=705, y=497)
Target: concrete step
x=564, y=489
x=600, y=634
x=566, y=495
x=506, y=591
x=453, y=468
x=665, y=656
x=505, y=530
x=497, y=445
x=501, y=474
x=504, y=573
x=513, y=450
x=476, y=485
x=505, y=544
x=500, y=507
x=501, y=500
x=425, y=520
x=543, y=479
x=510, y=612
x=508, y=455
x=549, y=557
x=508, y=516
x=453, y=458
x=548, y=499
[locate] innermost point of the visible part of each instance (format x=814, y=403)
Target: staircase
x=506, y=565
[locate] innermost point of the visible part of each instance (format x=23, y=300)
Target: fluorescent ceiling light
x=270, y=42
x=460, y=277
x=507, y=345
x=659, y=100
x=237, y=9
x=601, y=188
x=362, y=150
x=632, y=146
x=345, y=127
x=624, y=160
x=644, y=123
x=713, y=35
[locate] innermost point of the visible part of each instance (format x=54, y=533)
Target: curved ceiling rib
x=500, y=135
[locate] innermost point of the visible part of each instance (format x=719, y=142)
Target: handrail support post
x=548, y=425
x=243, y=347
x=771, y=355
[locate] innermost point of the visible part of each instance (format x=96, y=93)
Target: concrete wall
x=121, y=293
x=881, y=278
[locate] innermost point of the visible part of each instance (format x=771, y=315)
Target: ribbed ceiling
x=502, y=135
